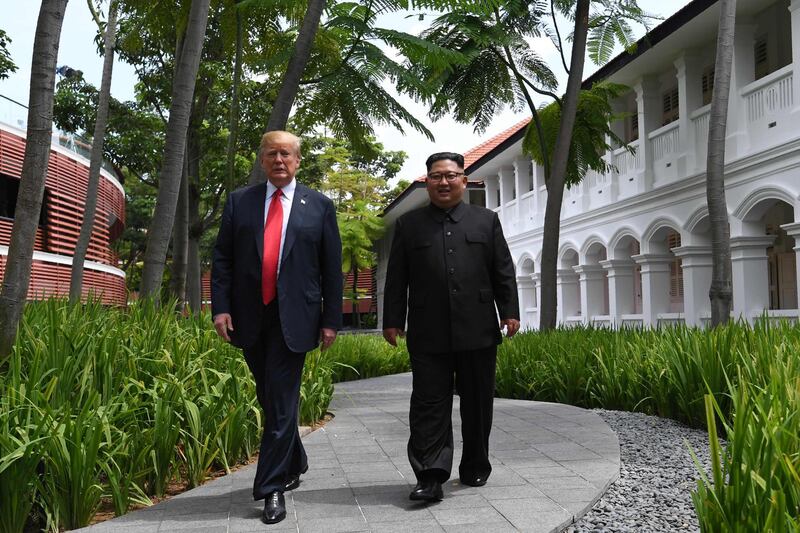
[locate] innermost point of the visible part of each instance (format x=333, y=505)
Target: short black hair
x=458, y=159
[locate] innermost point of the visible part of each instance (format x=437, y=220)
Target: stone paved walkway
x=551, y=462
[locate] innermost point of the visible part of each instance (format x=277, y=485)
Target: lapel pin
x=302, y=201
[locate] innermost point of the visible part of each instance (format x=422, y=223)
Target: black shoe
x=294, y=480
x=428, y=491
x=479, y=481
x=274, y=508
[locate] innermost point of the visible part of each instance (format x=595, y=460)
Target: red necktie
x=272, y=249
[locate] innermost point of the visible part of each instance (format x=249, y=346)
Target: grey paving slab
x=551, y=462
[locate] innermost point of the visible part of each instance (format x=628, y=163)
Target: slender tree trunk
x=160, y=228
x=721, y=291
x=180, y=241
x=196, y=226
x=555, y=186
x=90, y=208
x=291, y=80
x=233, y=125
x=194, y=274
x=356, y=314
x=16, y=277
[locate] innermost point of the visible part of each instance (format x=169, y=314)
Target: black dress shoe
x=479, y=481
x=274, y=508
x=294, y=480
x=428, y=491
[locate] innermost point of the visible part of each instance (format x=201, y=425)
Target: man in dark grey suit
x=276, y=292
x=451, y=273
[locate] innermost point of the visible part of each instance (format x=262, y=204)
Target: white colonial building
x=635, y=247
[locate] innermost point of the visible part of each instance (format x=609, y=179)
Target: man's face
x=443, y=192
x=280, y=161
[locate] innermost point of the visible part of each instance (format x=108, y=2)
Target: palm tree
x=555, y=183
x=359, y=227
x=16, y=277
x=291, y=80
x=90, y=207
x=160, y=229
x=721, y=291
x=495, y=67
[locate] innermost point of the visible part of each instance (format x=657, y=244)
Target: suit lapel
x=299, y=206
x=259, y=199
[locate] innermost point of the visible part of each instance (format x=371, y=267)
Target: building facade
x=635, y=246
x=62, y=212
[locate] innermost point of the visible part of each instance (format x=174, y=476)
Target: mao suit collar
x=455, y=213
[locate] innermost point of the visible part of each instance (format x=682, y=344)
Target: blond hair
x=277, y=136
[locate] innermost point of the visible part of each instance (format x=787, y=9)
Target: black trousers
x=277, y=371
x=430, y=448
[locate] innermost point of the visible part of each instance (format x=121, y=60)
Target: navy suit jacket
x=310, y=276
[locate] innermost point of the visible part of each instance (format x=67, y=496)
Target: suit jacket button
x=455, y=291
x=449, y=250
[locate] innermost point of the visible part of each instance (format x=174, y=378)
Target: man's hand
x=326, y=337
x=511, y=325
x=391, y=334
x=223, y=323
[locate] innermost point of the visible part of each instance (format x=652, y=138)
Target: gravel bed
x=657, y=475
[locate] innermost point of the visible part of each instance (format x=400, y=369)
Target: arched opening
x=595, y=282
x=527, y=293
x=662, y=276
x=569, y=288
x=766, y=218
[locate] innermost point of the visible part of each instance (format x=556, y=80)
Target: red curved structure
x=62, y=211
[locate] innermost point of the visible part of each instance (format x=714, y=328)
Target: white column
x=648, y=102
x=689, y=72
x=750, y=275
x=491, y=192
x=742, y=74
x=592, y=290
x=620, y=288
x=696, y=265
x=568, y=294
x=793, y=229
x=794, y=13
x=537, y=287
x=527, y=299
x=655, y=285
x=509, y=217
x=522, y=172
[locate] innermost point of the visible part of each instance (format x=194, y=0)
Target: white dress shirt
x=286, y=204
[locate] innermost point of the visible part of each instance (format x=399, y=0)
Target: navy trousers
x=430, y=447
x=277, y=371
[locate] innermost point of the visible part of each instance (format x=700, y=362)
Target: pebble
x=657, y=476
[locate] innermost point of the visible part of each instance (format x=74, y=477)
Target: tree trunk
x=356, y=314
x=158, y=233
x=180, y=241
x=17, y=273
x=90, y=208
x=721, y=291
x=233, y=125
x=196, y=226
x=558, y=170
x=194, y=274
x=291, y=81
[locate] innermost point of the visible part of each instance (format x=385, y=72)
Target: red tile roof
x=474, y=154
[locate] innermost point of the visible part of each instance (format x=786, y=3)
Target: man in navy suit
x=276, y=293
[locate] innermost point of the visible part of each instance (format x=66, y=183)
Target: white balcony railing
x=699, y=119
x=626, y=162
x=665, y=141
x=770, y=95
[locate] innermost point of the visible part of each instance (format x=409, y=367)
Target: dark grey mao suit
x=450, y=273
